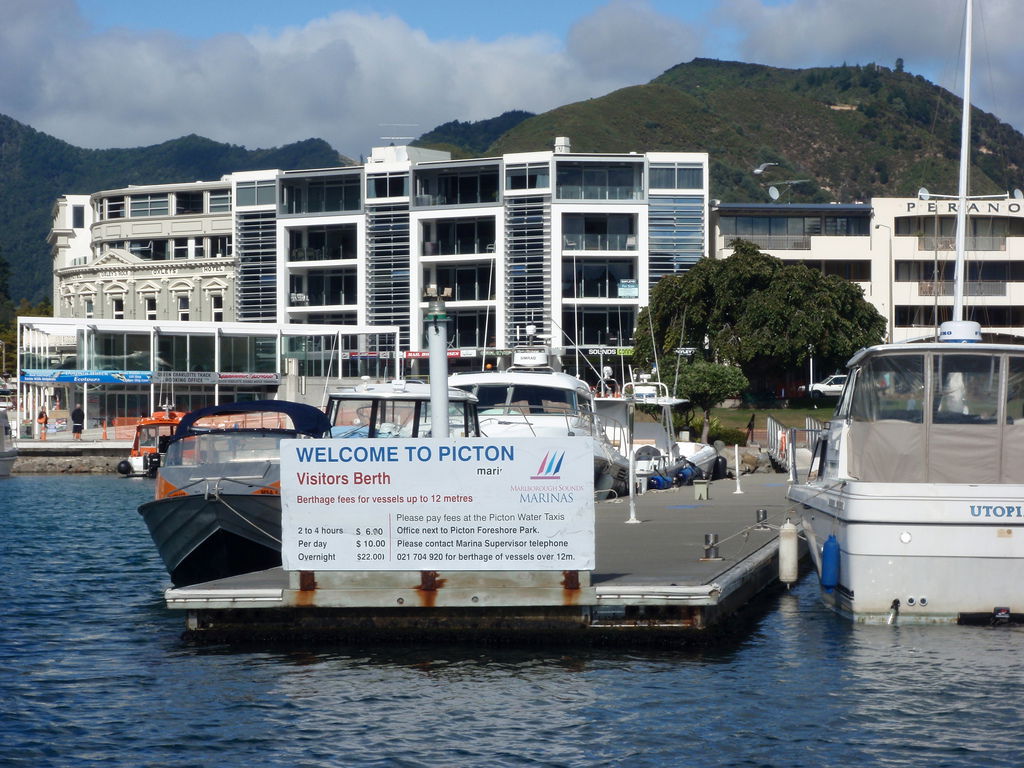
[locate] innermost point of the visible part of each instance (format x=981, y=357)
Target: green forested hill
x=854, y=131
x=36, y=168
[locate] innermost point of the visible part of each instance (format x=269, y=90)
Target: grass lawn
x=737, y=418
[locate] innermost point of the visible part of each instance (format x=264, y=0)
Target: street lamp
x=892, y=286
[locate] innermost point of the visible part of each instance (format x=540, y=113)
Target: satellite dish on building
x=773, y=193
x=923, y=194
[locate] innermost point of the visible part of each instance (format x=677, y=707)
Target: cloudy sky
x=262, y=73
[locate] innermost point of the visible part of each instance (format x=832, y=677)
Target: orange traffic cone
x=104, y=429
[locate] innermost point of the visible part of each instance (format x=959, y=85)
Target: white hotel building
x=901, y=252
x=567, y=245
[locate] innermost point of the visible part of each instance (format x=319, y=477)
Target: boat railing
x=614, y=433
x=788, y=446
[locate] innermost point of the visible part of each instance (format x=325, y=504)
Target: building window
x=78, y=217
x=148, y=250
x=151, y=307
x=468, y=282
x=388, y=185
x=599, y=278
x=335, y=241
x=181, y=247
x=450, y=237
x=188, y=202
x=612, y=326
x=115, y=207
x=220, y=200
x=183, y=307
x=599, y=232
x=676, y=176
x=220, y=246
x=600, y=181
x=529, y=176
x=256, y=193
x=321, y=195
x=148, y=205
x=457, y=187
x=88, y=308
x=217, y=308
x=117, y=305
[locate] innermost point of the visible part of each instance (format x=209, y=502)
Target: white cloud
x=628, y=39
x=339, y=78
x=924, y=33
x=345, y=76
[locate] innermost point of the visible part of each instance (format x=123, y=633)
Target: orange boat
x=151, y=436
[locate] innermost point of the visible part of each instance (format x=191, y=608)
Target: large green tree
x=706, y=384
x=758, y=312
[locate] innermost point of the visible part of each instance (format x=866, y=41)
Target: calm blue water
x=92, y=673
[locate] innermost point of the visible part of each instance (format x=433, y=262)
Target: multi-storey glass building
x=561, y=246
x=551, y=247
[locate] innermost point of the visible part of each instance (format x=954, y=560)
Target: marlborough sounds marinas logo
x=550, y=466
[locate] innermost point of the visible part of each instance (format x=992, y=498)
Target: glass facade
x=676, y=227
x=599, y=181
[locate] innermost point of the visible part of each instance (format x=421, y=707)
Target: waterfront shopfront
x=120, y=370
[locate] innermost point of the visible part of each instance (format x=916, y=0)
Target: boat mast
x=965, y=164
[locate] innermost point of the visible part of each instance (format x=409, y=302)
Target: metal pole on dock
x=737, y=458
x=437, y=344
x=632, y=484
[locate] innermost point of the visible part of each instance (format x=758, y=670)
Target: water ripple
x=92, y=672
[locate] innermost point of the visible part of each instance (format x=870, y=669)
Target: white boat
x=8, y=450
x=914, y=503
x=531, y=399
x=660, y=459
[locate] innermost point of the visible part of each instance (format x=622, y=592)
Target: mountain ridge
x=852, y=131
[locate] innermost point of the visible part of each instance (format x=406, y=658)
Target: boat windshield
x=964, y=389
x=890, y=388
x=924, y=416
x=148, y=437
x=393, y=417
x=524, y=399
x=220, y=447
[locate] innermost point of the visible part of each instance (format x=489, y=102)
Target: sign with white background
x=437, y=504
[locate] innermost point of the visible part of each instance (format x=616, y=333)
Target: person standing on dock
x=42, y=420
x=77, y=421
x=750, y=428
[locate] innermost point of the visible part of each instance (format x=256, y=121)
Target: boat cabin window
x=524, y=399
x=149, y=437
x=1015, y=392
x=890, y=387
x=393, y=418
x=218, y=447
x=965, y=389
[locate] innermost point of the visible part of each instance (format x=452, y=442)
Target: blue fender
x=830, y=563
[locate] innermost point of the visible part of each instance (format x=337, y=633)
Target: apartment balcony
x=616, y=242
x=319, y=254
x=456, y=248
x=588, y=192
x=948, y=243
x=971, y=288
